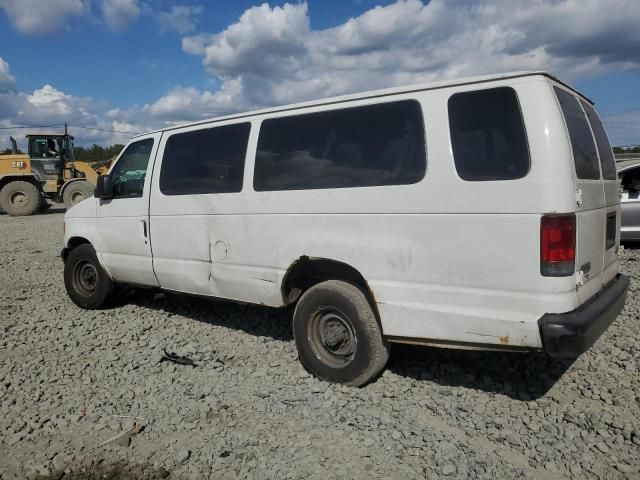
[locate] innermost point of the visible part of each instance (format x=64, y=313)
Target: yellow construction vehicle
x=48, y=172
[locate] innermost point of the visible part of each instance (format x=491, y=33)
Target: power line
x=104, y=130
x=15, y=127
x=31, y=126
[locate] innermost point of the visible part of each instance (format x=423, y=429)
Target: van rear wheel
x=337, y=334
x=86, y=282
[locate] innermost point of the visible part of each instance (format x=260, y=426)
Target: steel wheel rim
x=332, y=337
x=85, y=278
x=18, y=199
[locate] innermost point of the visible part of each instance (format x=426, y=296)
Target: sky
x=121, y=66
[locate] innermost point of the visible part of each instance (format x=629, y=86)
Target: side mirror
x=104, y=187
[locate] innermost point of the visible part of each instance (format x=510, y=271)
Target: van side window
x=607, y=162
x=205, y=161
x=373, y=145
x=584, y=150
x=130, y=170
x=488, y=135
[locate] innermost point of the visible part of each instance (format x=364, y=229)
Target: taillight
x=558, y=245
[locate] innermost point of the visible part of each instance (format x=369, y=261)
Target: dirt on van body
x=72, y=380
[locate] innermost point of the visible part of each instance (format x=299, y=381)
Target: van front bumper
x=567, y=335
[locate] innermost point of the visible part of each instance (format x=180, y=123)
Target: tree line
x=94, y=153
x=97, y=153
x=635, y=149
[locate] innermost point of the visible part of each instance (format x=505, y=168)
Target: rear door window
x=488, y=135
x=607, y=162
x=584, y=149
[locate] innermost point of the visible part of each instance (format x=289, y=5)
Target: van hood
x=84, y=209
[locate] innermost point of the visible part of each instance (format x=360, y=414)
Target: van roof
x=373, y=94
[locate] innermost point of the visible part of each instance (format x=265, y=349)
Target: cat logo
x=20, y=164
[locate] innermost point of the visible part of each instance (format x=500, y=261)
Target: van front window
x=129, y=172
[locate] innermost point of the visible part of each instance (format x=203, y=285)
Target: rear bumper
x=566, y=335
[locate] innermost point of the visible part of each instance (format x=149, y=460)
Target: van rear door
x=596, y=199
x=611, y=193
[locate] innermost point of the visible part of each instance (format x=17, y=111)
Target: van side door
x=123, y=242
x=196, y=210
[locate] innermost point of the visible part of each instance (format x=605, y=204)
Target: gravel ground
x=71, y=380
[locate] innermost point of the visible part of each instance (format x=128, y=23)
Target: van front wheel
x=87, y=284
x=337, y=334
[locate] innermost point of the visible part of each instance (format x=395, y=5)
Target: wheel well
x=21, y=178
x=73, y=243
x=308, y=271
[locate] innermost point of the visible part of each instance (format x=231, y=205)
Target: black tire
x=20, y=198
x=87, y=284
x=44, y=205
x=75, y=192
x=337, y=334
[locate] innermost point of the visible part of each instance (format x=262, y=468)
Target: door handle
x=144, y=228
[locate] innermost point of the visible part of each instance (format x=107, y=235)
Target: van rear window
x=584, y=150
x=488, y=135
x=205, y=161
x=607, y=162
x=373, y=145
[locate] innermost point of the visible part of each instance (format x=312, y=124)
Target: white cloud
x=181, y=18
x=273, y=56
x=119, y=14
x=49, y=106
x=47, y=96
x=264, y=41
x=181, y=104
x=409, y=41
x=42, y=17
x=7, y=81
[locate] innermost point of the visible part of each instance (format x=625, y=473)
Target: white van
x=481, y=213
